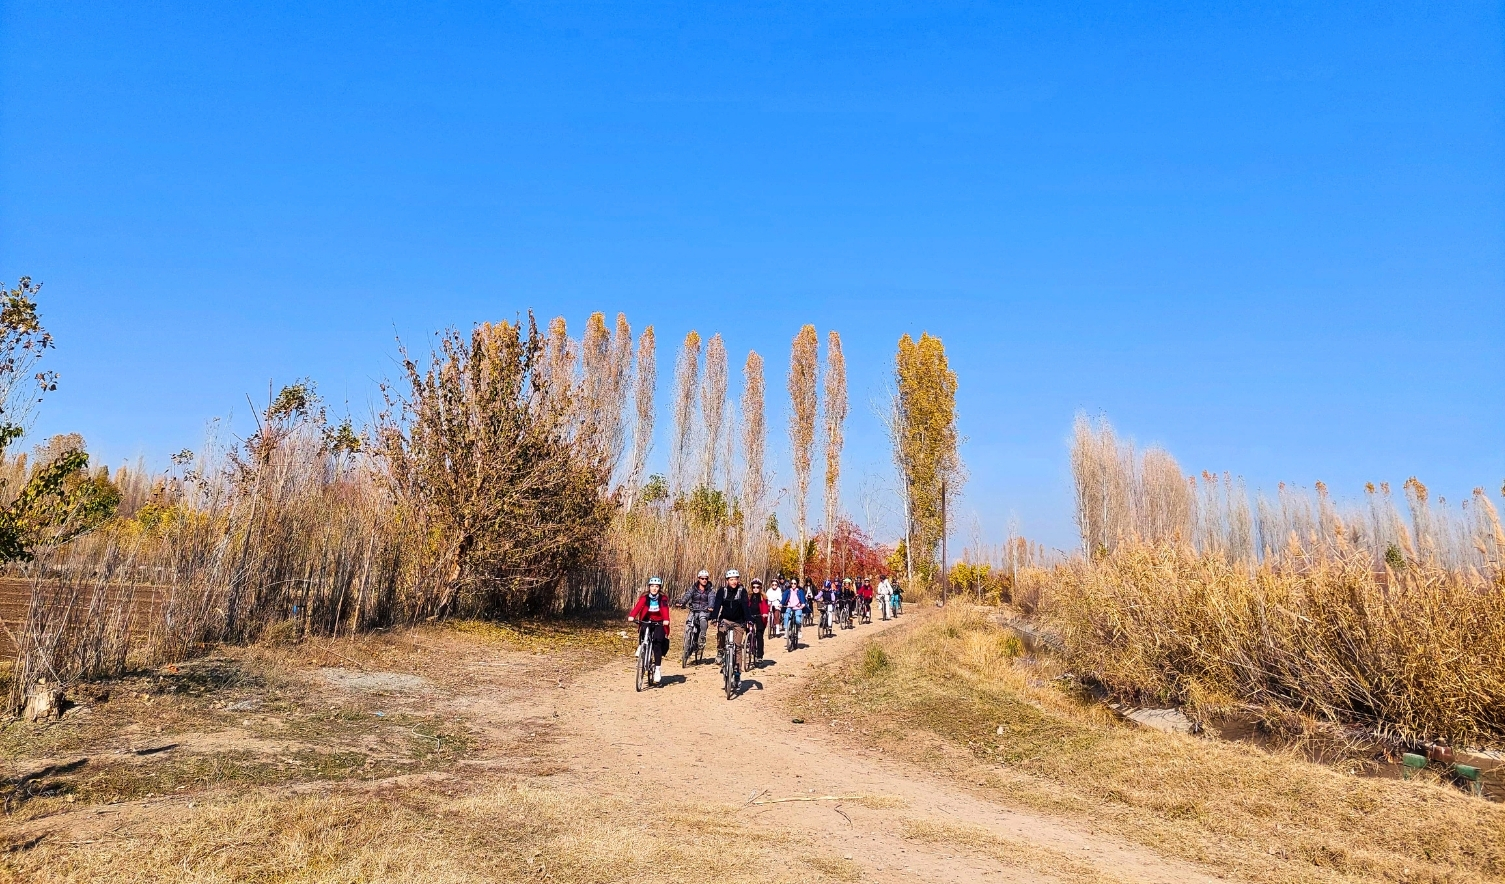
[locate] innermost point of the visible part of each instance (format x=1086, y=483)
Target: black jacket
x=697, y=599
x=730, y=604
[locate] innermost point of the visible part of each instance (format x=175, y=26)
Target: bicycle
x=754, y=648
x=867, y=612
x=792, y=636
x=730, y=675
x=694, y=639
x=645, y=657
x=825, y=623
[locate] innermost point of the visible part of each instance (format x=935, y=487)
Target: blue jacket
x=793, y=597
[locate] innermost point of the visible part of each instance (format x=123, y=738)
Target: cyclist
x=885, y=597
x=730, y=611
x=898, y=602
x=699, y=598
x=775, y=598
x=651, y=612
x=794, y=605
x=865, y=600
x=757, y=617
x=825, y=604
x=848, y=600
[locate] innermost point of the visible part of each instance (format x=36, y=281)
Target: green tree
x=59, y=499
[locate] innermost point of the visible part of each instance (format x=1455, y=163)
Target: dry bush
x=504, y=480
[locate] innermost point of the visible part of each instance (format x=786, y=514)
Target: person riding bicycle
x=775, y=598
x=794, y=605
x=885, y=596
x=730, y=611
x=865, y=599
x=757, y=617
x=825, y=605
x=699, y=598
x=651, y=612
x=898, y=598
x=848, y=597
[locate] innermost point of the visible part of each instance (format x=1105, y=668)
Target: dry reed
x=1298, y=604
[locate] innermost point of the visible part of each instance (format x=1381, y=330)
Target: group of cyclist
x=750, y=615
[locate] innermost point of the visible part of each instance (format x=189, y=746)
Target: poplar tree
x=836, y=416
x=754, y=440
x=686, y=384
x=642, y=428
x=925, y=441
x=712, y=408
x=802, y=405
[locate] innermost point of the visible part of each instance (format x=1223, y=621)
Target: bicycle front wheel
x=645, y=661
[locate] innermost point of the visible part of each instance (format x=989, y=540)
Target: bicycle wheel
x=684, y=656
x=728, y=676
x=645, y=662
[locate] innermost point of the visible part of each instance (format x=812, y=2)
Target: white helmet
x=703, y=573
x=732, y=573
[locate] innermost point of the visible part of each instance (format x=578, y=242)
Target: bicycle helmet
x=732, y=573
x=655, y=581
x=757, y=581
x=704, y=573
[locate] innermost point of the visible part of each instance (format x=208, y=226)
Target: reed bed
x=1188, y=593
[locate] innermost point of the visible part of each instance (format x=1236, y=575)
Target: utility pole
x=945, y=574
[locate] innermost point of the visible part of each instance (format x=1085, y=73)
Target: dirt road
x=685, y=739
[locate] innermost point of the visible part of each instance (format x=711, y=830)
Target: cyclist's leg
x=660, y=643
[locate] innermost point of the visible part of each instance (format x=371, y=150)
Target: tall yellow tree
x=925, y=444
x=802, y=407
x=836, y=416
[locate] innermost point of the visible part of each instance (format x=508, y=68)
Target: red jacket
x=761, y=608
x=640, y=610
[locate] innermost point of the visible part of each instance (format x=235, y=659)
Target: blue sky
x=1268, y=236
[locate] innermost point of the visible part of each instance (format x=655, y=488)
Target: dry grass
x=1009, y=852
x=950, y=682
x=453, y=833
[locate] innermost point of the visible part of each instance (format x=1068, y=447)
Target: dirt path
x=687, y=739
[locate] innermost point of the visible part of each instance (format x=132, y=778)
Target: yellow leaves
x=925, y=433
